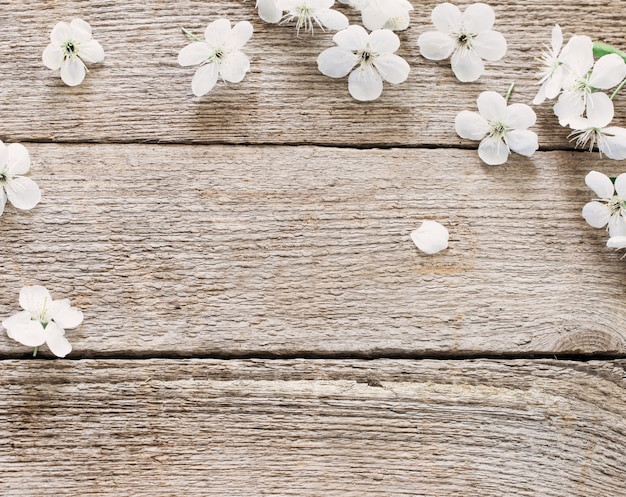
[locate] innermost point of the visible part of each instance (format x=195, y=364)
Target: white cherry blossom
x=610, y=207
x=582, y=82
x=308, y=13
x=71, y=47
x=43, y=320
x=500, y=127
x=219, y=55
x=374, y=58
x=22, y=192
x=386, y=14
x=593, y=130
x=431, y=237
x=467, y=37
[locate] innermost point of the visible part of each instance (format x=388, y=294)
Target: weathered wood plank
x=310, y=428
x=141, y=94
x=227, y=250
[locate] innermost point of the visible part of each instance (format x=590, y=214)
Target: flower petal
x=52, y=57
x=493, y=151
x=556, y=39
x=600, y=184
x=519, y=116
x=435, y=45
x=217, y=32
x=522, y=141
x=384, y=41
x=193, y=54
x=60, y=33
x=34, y=298
x=430, y=237
x=392, y=68
x=91, y=51
x=492, y=106
x=332, y=19
x=613, y=145
x=56, y=341
x=18, y=159
x=577, y=55
x=596, y=214
x=23, y=193
x=600, y=110
x=489, y=45
x=447, y=18
x=471, y=125
x=73, y=71
x=336, y=62
x=365, y=84
x=617, y=226
x=620, y=185
x=570, y=104
x=4, y=155
x=64, y=314
x=234, y=66
x=467, y=65
x=353, y=38
x=269, y=11
x=81, y=30
x=239, y=35
x=478, y=17
x=204, y=79
x=616, y=242
x=608, y=71
x=21, y=328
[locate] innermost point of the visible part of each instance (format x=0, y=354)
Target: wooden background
x=257, y=319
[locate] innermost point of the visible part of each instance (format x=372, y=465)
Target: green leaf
x=600, y=49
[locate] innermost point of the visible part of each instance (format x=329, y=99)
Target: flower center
x=218, y=54
x=617, y=207
x=464, y=39
x=306, y=16
x=366, y=56
x=4, y=178
x=70, y=48
x=498, y=129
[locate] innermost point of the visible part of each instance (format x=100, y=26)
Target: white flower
x=592, y=130
x=311, y=12
x=430, y=237
x=43, y=320
x=581, y=85
x=385, y=14
x=371, y=53
x=268, y=10
x=219, y=55
x=468, y=37
x=500, y=127
x=610, y=207
x=22, y=192
x=71, y=46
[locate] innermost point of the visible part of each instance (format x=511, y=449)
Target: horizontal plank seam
x=333, y=357
x=384, y=146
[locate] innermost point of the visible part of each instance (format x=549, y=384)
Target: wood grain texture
x=311, y=428
x=139, y=93
x=222, y=251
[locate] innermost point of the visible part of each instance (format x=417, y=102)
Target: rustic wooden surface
x=270, y=220
x=311, y=428
x=185, y=250
x=139, y=93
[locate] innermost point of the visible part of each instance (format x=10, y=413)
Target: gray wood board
x=237, y=251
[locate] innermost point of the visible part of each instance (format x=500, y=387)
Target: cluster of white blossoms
x=577, y=78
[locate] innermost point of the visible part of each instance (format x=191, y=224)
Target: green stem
x=35, y=351
x=601, y=49
x=191, y=35
x=508, y=93
x=621, y=85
